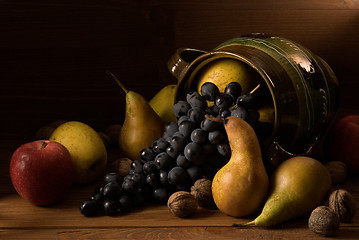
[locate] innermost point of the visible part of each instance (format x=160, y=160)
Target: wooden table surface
x=21, y=220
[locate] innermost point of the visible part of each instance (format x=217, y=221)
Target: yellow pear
x=225, y=70
x=163, y=101
x=298, y=186
x=240, y=187
x=141, y=126
x=86, y=148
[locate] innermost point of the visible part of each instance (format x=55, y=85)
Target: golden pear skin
x=163, y=101
x=298, y=185
x=141, y=126
x=239, y=188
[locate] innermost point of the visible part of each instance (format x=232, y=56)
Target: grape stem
x=214, y=119
x=254, y=89
x=117, y=81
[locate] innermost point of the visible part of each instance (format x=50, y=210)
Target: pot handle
x=181, y=59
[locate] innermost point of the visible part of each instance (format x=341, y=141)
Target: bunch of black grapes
x=195, y=146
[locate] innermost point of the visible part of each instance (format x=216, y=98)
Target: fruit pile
x=195, y=146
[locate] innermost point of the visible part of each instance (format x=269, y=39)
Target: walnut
x=343, y=204
x=122, y=166
x=202, y=191
x=337, y=171
x=323, y=221
x=182, y=204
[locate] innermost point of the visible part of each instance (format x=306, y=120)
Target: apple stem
x=43, y=145
x=254, y=89
x=117, y=80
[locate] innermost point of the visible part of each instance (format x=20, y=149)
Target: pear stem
x=117, y=81
x=254, y=89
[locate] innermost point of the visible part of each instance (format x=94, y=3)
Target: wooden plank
x=171, y=233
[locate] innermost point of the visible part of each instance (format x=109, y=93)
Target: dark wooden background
x=54, y=53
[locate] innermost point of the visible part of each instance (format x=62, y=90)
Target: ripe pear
x=225, y=70
x=298, y=186
x=163, y=101
x=141, y=126
x=239, y=188
x=87, y=150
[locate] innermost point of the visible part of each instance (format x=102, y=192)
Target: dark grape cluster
x=195, y=146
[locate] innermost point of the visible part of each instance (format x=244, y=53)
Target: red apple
x=342, y=142
x=42, y=171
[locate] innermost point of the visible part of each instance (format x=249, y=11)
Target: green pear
x=239, y=188
x=86, y=148
x=298, y=186
x=141, y=126
x=163, y=101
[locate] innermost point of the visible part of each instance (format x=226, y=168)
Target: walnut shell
x=337, y=171
x=182, y=204
x=122, y=166
x=202, y=191
x=343, y=204
x=323, y=221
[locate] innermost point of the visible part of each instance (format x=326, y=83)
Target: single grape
x=129, y=186
x=170, y=129
x=182, y=118
x=225, y=113
x=194, y=172
x=112, y=190
x=199, y=135
x=125, y=203
x=150, y=167
x=224, y=149
x=110, y=208
x=89, y=208
x=245, y=100
x=195, y=115
x=234, y=89
x=178, y=142
x=163, y=177
x=113, y=178
x=240, y=112
x=182, y=161
x=216, y=136
x=98, y=197
x=209, y=91
x=138, y=178
x=209, y=125
x=172, y=152
x=192, y=151
x=223, y=101
x=147, y=154
x=160, y=195
x=136, y=166
x=177, y=176
x=163, y=161
x=186, y=128
x=180, y=108
x=196, y=100
x=152, y=180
